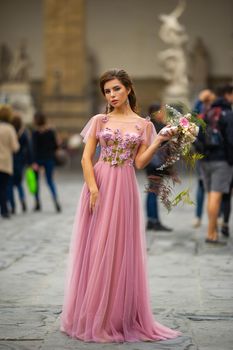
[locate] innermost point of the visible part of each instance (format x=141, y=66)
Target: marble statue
x=173, y=59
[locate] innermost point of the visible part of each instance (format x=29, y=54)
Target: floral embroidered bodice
x=119, y=139
x=118, y=148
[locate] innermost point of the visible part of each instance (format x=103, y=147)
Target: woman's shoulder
x=45, y=131
x=51, y=130
x=43, y=135
x=143, y=120
x=97, y=119
x=7, y=127
x=100, y=116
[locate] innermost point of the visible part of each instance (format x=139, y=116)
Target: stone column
x=66, y=100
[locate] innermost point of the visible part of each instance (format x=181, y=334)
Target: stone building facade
x=72, y=42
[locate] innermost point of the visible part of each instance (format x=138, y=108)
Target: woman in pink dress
x=106, y=292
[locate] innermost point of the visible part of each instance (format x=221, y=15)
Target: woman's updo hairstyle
x=124, y=78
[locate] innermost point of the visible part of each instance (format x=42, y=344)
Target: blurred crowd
x=214, y=170
x=26, y=154
x=29, y=153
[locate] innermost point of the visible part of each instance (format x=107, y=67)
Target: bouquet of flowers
x=165, y=177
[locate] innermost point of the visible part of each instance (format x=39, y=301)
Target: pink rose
x=184, y=122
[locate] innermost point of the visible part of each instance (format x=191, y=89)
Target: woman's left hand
x=167, y=133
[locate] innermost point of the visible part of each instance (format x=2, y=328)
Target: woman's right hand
x=94, y=194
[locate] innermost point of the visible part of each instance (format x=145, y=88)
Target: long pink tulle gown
x=106, y=292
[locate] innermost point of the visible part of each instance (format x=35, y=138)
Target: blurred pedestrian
x=21, y=158
x=205, y=99
x=157, y=116
x=216, y=143
x=8, y=145
x=226, y=211
x=44, y=144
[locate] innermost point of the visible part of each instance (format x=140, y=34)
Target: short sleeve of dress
x=91, y=129
x=149, y=133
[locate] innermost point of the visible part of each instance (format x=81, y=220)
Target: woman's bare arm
x=88, y=170
x=145, y=154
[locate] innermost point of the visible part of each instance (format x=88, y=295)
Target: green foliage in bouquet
x=190, y=158
x=198, y=121
x=184, y=197
x=180, y=147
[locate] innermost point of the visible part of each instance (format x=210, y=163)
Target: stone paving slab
x=28, y=322
x=21, y=345
x=191, y=283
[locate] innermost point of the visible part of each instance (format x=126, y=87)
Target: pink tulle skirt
x=106, y=291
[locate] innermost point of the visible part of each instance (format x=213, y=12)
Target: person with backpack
x=216, y=144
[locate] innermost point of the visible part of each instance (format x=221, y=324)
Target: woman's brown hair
x=124, y=78
x=5, y=113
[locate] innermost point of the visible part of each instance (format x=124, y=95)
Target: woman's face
x=116, y=93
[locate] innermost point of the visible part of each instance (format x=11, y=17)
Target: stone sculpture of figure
x=173, y=60
x=21, y=64
x=5, y=62
x=175, y=71
x=171, y=31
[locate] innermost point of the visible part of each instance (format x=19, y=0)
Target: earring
x=127, y=101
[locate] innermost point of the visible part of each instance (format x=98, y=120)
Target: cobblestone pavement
x=191, y=282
